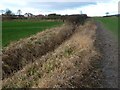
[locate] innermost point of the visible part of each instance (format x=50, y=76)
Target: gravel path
x=109, y=49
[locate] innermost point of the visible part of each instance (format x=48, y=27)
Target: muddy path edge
x=108, y=46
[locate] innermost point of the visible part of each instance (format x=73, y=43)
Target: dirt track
x=109, y=49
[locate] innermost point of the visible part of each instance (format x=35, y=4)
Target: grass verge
x=110, y=23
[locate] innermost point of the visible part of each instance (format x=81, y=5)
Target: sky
x=89, y=7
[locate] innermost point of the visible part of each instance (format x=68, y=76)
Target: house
x=28, y=15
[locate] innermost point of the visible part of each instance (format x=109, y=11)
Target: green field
x=14, y=30
x=110, y=23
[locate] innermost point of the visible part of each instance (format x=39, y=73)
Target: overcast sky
x=89, y=7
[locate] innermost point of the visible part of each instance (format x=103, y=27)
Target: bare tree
x=19, y=12
x=107, y=13
x=81, y=12
x=2, y=11
x=8, y=12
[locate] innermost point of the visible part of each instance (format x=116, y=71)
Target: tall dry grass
x=72, y=64
x=27, y=50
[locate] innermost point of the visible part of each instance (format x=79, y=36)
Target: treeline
x=116, y=15
x=74, y=19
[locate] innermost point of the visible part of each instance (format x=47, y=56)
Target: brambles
x=76, y=19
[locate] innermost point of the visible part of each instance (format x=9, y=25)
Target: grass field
x=14, y=30
x=110, y=23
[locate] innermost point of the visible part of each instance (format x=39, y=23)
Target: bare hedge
x=76, y=19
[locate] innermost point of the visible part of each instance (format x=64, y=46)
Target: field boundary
x=27, y=50
x=72, y=64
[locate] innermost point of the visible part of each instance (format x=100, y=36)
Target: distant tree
x=2, y=11
x=54, y=16
x=8, y=12
x=107, y=13
x=19, y=12
x=80, y=12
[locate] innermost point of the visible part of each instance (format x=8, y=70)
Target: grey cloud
x=58, y=5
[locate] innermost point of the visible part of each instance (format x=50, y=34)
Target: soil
x=108, y=45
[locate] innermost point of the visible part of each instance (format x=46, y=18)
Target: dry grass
x=72, y=64
x=27, y=50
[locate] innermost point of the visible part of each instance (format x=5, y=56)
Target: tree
x=107, y=13
x=81, y=12
x=19, y=12
x=8, y=12
x=2, y=11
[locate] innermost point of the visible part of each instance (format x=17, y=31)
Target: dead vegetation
x=55, y=61
x=76, y=19
x=27, y=50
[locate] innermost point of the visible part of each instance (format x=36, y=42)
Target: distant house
x=25, y=15
x=40, y=16
x=28, y=15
